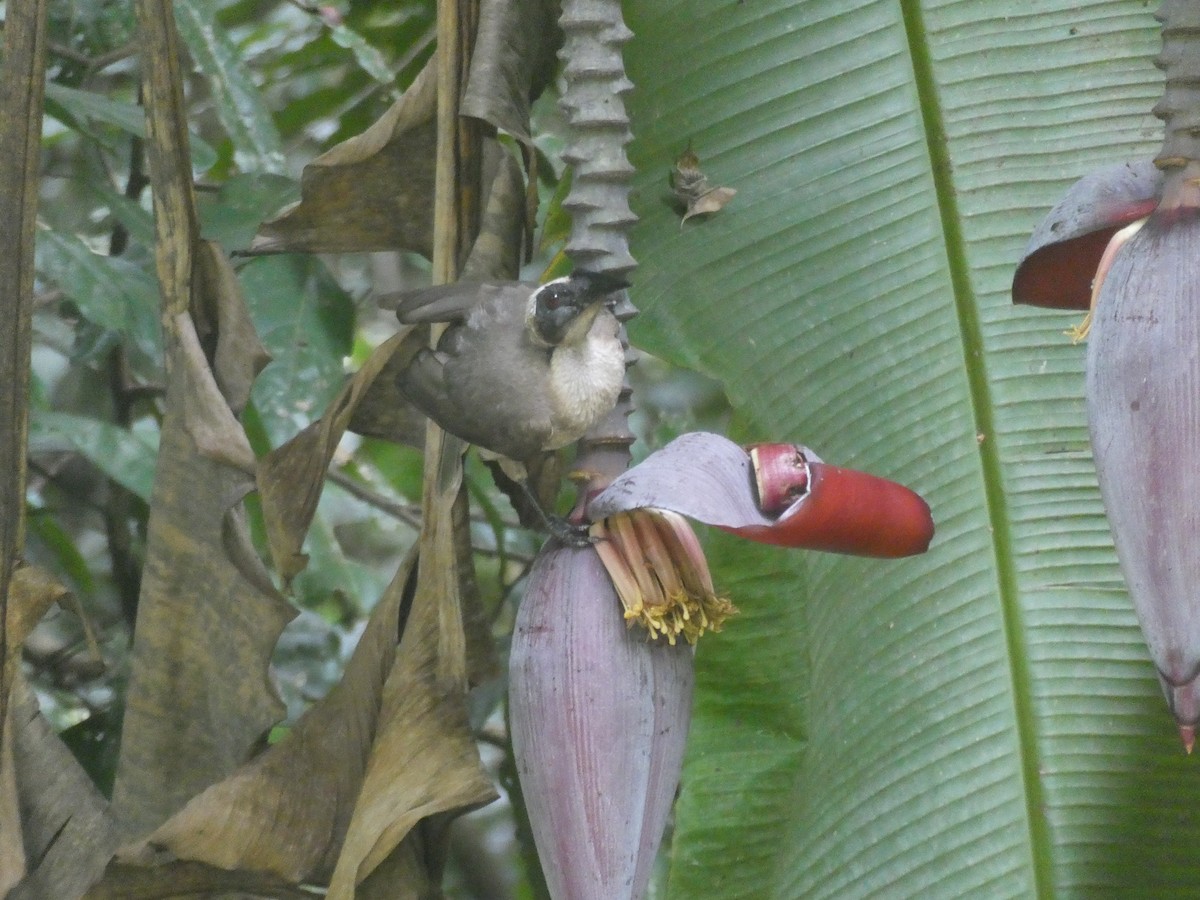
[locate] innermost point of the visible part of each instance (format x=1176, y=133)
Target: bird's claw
x=569, y=533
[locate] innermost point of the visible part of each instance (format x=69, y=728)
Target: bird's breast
x=585, y=380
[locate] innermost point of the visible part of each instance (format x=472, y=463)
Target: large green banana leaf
x=984, y=720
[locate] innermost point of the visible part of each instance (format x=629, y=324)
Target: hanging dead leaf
x=291, y=476
x=66, y=826
x=495, y=254
x=192, y=880
x=12, y=843
x=711, y=202
x=199, y=700
x=384, y=749
x=417, y=864
x=371, y=192
x=423, y=761
x=692, y=190
x=42, y=788
x=383, y=412
x=286, y=811
x=513, y=59
x=224, y=327
x=32, y=591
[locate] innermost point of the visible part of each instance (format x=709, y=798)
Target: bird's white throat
x=586, y=378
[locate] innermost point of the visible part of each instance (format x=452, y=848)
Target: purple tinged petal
x=701, y=475
x=599, y=720
x=1062, y=255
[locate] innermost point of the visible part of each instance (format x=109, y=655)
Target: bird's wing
x=423, y=384
x=449, y=302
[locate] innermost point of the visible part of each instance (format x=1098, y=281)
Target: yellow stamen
x=661, y=576
x=710, y=611
x=630, y=544
x=615, y=563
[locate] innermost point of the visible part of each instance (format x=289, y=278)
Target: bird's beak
x=602, y=286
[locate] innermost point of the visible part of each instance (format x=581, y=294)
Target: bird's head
x=563, y=309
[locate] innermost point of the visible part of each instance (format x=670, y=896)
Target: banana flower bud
x=599, y=710
x=599, y=718
x=1143, y=401
x=1143, y=387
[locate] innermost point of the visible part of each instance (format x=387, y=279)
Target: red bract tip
x=780, y=494
x=780, y=475
x=840, y=510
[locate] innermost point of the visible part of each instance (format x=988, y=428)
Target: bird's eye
x=552, y=299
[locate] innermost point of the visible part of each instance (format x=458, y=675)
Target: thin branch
x=94, y=63
x=407, y=513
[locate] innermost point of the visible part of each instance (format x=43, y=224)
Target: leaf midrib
x=982, y=407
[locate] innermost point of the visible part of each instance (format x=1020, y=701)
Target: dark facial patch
x=556, y=310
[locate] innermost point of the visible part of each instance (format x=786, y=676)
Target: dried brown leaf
x=175, y=223
x=711, y=202
x=513, y=60
x=221, y=317
x=692, y=189
x=192, y=880
x=495, y=254
x=386, y=748
x=66, y=825
x=371, y=192
x=199, y=700
x=291, y=476
x=206, y=416
x=286, y=811
x=413, y=871
x=424, y=761
x=32, y=591
x=22, y=88
x=12, y=844
x=42, y=789
x=384, y=412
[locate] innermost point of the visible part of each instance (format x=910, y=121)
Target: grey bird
x=522, y=369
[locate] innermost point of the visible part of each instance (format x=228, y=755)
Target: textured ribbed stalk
x=599, y=714
x=593, y=33
x=1179, y=107
x=594, y=74
x=599, y=721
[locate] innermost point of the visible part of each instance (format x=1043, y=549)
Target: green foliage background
x=982, y=720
